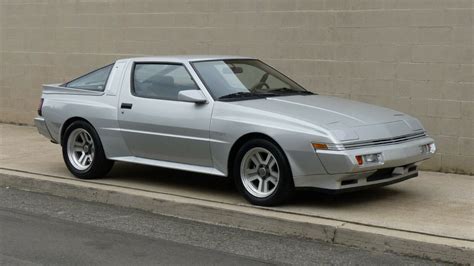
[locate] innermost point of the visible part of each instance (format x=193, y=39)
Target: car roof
x=185, y=58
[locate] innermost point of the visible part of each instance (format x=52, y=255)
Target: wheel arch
x=242, y=140
x=67, y=123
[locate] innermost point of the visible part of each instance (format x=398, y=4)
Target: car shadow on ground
x=320, y=199
x=156, y=177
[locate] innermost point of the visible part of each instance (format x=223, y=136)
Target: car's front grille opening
x=380, y=174
x=381, y=142
x=348, y=182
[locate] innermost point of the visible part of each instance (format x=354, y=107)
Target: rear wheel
x=83, y=152
x=262, y=173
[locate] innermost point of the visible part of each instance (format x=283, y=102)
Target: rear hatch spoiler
x=59, y=89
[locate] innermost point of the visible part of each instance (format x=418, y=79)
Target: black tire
x=99, y=165
x=285, y=186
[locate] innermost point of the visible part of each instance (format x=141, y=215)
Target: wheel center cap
x=262, y=172
x=86, y=148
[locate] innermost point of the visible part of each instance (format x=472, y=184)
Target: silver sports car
x=228, y=116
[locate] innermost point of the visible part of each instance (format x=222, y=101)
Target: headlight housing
x=370, y=159
x=428, y=148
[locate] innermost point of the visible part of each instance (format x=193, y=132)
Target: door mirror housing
x=193, y=96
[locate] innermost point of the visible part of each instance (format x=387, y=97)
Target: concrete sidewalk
x=435, y=207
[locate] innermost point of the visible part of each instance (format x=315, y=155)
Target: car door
x=155, y=124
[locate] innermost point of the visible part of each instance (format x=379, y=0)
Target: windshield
x=244, y=78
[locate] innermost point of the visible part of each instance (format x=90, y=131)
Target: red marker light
x=40, y=107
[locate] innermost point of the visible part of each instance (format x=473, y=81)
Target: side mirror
x=193, y=96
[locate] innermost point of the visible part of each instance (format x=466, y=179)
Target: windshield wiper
x=285, y=89
x=244, y=94
x=237, y=95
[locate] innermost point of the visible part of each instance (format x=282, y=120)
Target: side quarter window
x=95, y=80
x=161, y=80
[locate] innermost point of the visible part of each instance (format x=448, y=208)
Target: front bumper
x=344, y=173
x=356, y=181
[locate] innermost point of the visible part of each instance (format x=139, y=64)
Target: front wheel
x=83, y=152
x=262, y=173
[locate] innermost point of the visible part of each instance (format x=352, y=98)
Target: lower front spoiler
x=359, y=180
x=358, y=188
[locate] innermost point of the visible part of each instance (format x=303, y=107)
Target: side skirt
x=171, y=165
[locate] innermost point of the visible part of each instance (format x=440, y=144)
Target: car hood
x=346, y=119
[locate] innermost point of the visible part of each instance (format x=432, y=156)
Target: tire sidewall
x=285, y=185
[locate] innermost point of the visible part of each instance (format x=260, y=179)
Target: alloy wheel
x=80, y=149
x=259, y=172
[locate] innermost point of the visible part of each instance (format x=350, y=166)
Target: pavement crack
x=333, y=238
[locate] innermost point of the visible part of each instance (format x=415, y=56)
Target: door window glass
x=161, y=81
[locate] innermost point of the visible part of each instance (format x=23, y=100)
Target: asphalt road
x=42, y=229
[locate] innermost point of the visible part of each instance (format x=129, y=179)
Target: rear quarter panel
x=99, y=110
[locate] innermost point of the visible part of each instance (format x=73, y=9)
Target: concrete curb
x=250, y=218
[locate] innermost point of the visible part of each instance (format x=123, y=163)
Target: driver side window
x=161, y=80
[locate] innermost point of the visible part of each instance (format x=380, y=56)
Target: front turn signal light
x=320, y=146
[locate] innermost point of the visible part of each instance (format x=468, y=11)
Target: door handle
x=126, y=106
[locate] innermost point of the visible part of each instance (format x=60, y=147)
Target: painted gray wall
x=415, y=56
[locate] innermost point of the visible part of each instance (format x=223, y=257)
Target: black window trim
x=132, y=78
x=95, y=70
x=236, y=59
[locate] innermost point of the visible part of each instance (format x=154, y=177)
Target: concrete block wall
x=415, y=56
